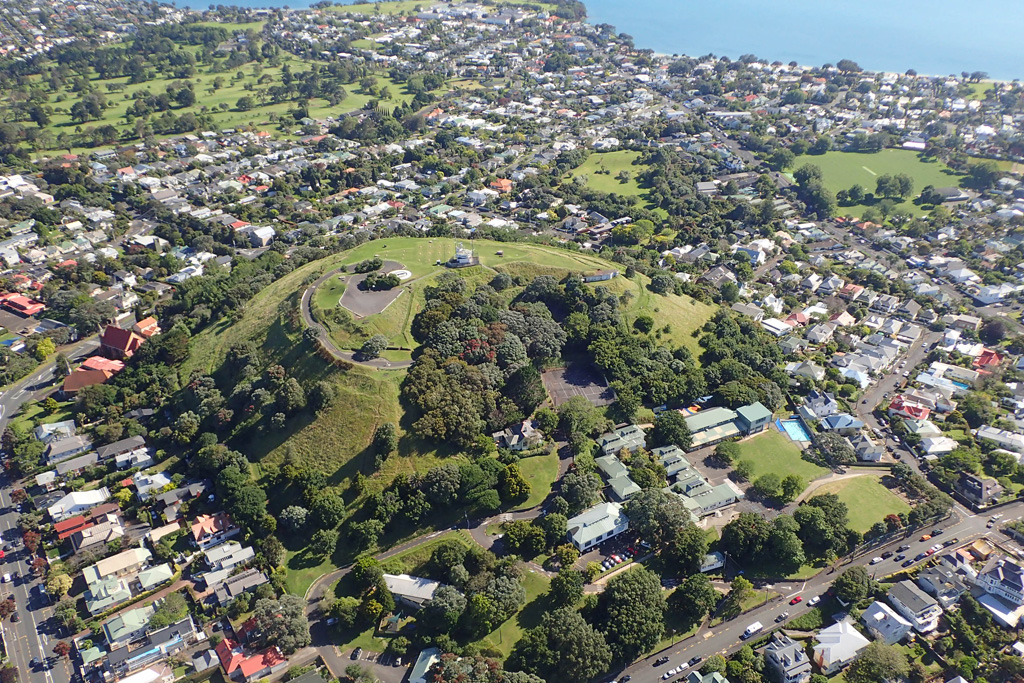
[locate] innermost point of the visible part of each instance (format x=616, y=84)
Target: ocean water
x=935, y=37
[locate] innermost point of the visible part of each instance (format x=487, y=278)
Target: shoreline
x=657, y=54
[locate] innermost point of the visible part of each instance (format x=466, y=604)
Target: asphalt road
x=34, y=635
x=725, y=638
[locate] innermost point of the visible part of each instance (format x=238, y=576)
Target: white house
x=77, y=502
x=597, y=524
x=916, y=606
x=884, y=624
x=837, y=646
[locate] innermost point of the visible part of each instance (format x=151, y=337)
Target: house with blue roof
x=843, y=423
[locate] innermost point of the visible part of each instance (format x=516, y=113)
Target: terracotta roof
x=125, y=341
x=210, y=524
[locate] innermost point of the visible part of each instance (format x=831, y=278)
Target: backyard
x=772, y=451
x=841, y=170
x=866, y=498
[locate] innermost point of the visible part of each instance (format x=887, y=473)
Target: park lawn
x=508, y=634
x=35, y=413
x=541, y=471
x=772, y=451
x=614, y=162
x=681, y=314
x=867, y=499
x=302, y=572
x=329, y=293
x=841, y=170
x=414, y=560
x=978, y=90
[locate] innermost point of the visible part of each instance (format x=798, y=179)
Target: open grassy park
x=841, y=170
x=682, y=315
x=595, y=167
x=772, y=451
x=867, y=499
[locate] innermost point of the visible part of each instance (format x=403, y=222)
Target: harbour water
x=936, y=37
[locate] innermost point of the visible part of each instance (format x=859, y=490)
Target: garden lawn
x=841, y=170
x=867, y=499
x=541, y=471
x=772, y=451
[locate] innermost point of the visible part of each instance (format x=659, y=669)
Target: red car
x=796, y=600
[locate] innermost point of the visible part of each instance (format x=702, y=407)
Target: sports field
x=773, y=451
x=866, y=498
x=841, y=170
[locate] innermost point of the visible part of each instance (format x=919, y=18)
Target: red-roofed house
x=796, y=319
x=502, y=185
x=240, y=667
x=95, y=370
x=909, y=409
x=147, y=327
x=21, y=305
x=988, y=359
x=211, y=530
x=118, y=343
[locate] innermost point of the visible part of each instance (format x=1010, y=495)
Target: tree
x=836, y=449
x=992, y=331
x=984, y=175
x=283, y=622
x=385, y=439
x=524, y=538
x=373, y=346
x=656, y=516
x=329, y=509
x=791, y=487
x=293, y=517
x=323, y=543
x=44, y=348
x=566, y=555
x=878, y=662
x=633, y=607
x=580, y=489
x=563, y=647
x=442, y=612
x=727, y=452
x=62, y=649
x=58, y=584
x=245, y=103
x=566, y=588
x=512, y=485
x=854, y=584
x=713, y=664
x=745, y=536
x=695, y=598
x=172, y=609
x=688, y=549
x=367, y=572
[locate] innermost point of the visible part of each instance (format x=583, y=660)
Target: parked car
x=796, y=600
x=876, y=560
x=660, y=660
x=907, y=563
x=903, y=549
x=695, y=661
x=814, y=601
x=782, y=617
x=887, y=554
x=936, y=532
x=899, y=558
x=357, y=652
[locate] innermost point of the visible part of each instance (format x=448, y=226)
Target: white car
x=814, y=601
x=876, y=560
x=7, y=578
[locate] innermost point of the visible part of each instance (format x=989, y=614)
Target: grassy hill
x=337, y=441
x=681, y=314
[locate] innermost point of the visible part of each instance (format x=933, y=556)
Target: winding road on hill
x=325, y=337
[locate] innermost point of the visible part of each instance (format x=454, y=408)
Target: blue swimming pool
x=962, y=385
x=794, y=429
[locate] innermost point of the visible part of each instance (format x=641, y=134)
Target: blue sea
x=935, y=37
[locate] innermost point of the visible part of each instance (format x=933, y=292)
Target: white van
x=752, y=629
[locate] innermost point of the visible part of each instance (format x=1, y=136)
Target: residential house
x=520, y=437
x=127, y=627
x=884, y=624
x=837, y=646
x=235, y=585
x=77, y=502
x=420, y=669
x=211, y=530
x=130, y=452
x=118, y=344
x=597, y=524
x=154, y=646
x=978, y=490
x=1004, y=579
x=146, y=328
x=786, y=661
x=631, y=438
x=75, y=466
x=916, y=606
x=94, y=370
x=904, y=407
x=805, y=369
x=54, y=431
x=842, y=423
x=866, y=449
x=246, y=668
x=1011, y=441
x=943, y=584
x=819, y=404
x=411, y=591
x=67, y=448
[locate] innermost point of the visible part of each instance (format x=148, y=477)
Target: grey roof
x=915, y=599
x=119, y=447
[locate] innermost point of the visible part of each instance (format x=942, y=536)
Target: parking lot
x=384, y=667
x=577, y=379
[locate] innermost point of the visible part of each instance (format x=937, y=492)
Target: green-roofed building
x=754, y=418
x=631, y=438
x=128, y=626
